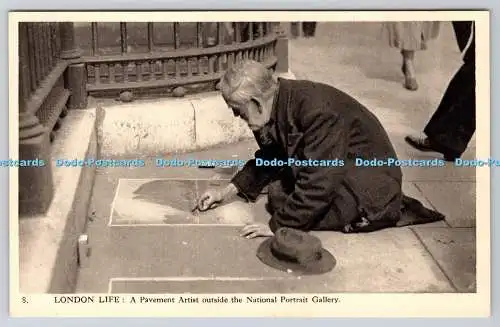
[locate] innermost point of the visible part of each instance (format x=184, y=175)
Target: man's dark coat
x=317, y=121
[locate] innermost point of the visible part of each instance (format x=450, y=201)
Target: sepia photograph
x=262, y=161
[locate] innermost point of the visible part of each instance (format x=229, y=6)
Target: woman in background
x=410, y=37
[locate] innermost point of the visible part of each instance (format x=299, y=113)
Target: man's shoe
x=420, y=143
x=425, y=145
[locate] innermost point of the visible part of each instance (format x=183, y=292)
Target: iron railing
x=42, y=91
x=157, y=59
x=54, y=74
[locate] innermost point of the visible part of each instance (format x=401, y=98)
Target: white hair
x=245, y=80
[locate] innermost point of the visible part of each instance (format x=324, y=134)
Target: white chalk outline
x=111, y=224
x=113, y=203
x=196, y=189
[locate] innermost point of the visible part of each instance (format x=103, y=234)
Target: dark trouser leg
x=451, y=127
x=343, y=211
x=276, y=197
x=462, y=33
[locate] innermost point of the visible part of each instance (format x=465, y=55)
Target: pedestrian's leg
x=451, y=127
x=409, y=69
x=463, y=32
x=454, y=122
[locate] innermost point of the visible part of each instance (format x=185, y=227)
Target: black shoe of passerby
x=425, y=145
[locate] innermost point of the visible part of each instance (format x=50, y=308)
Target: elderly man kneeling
x=316, y=135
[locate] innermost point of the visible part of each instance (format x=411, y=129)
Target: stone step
x=166, y=126
x=171, y=125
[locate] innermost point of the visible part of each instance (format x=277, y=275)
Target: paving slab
x=447, y=173
x=171, y=251
x=390, y=261
x=455, y=251
x=410, y=189
x=456, y=200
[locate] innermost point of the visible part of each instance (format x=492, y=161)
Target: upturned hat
x=295, y=250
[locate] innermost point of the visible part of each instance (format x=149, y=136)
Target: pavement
x=144, y=239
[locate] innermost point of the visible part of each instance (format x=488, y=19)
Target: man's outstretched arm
x=250, y=181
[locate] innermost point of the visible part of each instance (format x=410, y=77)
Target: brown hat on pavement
x=295, y=250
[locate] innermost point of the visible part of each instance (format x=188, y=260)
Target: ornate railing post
x=76, y=75
x=36, y=186
x=69, y=49
x=281, y=50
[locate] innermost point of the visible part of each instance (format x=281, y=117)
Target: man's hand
x=212, y=198
x=209, y=200
x=256, y=230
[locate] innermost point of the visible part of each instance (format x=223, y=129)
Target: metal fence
x=196, y=55
x=42, y=91
x=45, y=50
x=55, y=75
